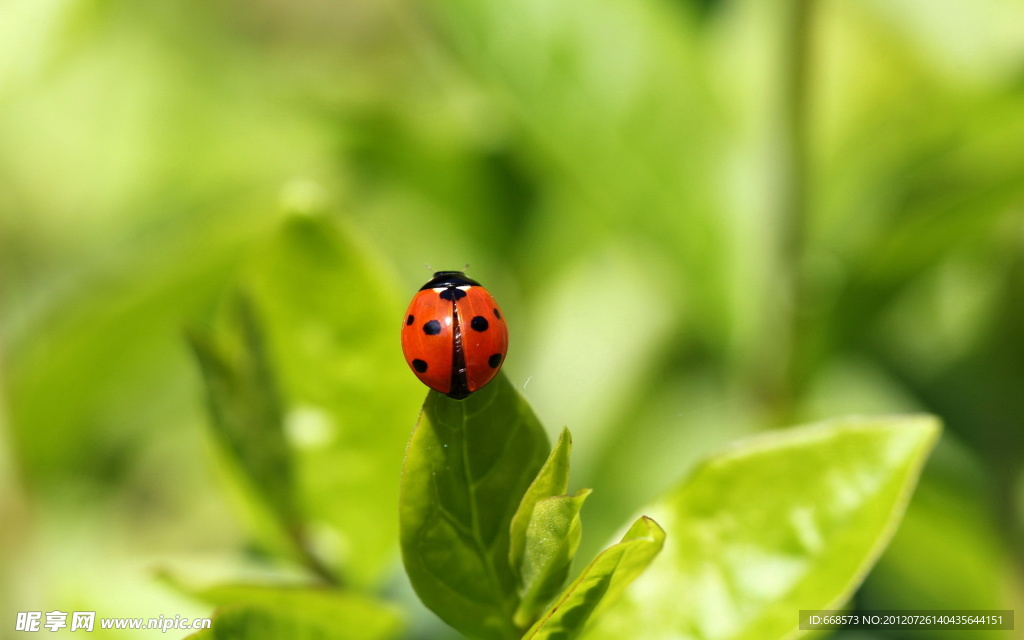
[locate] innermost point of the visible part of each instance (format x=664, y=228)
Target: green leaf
x=787, y=521
x=552, y=538
x=466, y=469
x=601, y=583
x=552, y=480
x=332, y=319
x=244, y=404
x=250, y=612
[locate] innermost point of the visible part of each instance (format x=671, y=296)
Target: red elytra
x=454, y=336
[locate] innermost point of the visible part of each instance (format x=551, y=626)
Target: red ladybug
x=454, y=337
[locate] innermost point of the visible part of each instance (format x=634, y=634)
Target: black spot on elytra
x=410, y=319
x=494, y=360
x=497, y=314
x=453, y=293
x=432, y=328
x=479, y=323
x=419, y=365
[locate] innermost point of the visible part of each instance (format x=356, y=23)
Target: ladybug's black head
x=449, y=279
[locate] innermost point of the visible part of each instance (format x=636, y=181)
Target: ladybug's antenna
x=429, y=268
x=466, y=268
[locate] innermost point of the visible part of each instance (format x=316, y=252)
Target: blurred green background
x=703, y=218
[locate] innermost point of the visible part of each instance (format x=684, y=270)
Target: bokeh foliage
x=620, y=175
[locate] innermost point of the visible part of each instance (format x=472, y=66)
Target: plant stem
x=311, y=560
x=782, y=369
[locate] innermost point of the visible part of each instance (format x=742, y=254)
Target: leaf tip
x=645, y=528
x=566, y=435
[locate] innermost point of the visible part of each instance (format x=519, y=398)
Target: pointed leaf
x=552, y=538
x=247, y=419
x=791, y=520
x=466, y=469
x=552, y=480
x=601, y=583
x=331, y=318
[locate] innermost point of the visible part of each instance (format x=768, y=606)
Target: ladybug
x=454, y=336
